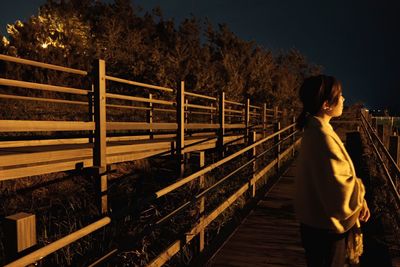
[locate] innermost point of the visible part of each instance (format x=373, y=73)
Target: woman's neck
x=324, y=117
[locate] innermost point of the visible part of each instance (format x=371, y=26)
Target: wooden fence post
x=99, y=149
x=186, y=111
x=91, y=109
x=20, y=234
x=150, y=116
x=201, y=202
x=384, y=131
x=293, y=136
x=276, y=113
x=180, y=135
x=285, y=118
x=277, y=138
x=247, y=119
x=221, y=118
x=394, y=148
x=212, y=114
x=264, y=120
x=374, y=123
x=253, y=138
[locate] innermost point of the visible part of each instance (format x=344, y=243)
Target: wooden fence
x=388, y=162
x=95, y=144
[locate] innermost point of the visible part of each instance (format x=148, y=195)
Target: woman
x=329, y=198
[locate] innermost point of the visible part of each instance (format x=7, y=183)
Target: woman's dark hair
x=314, y=92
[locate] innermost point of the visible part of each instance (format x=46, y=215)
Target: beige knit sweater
x=328, y=194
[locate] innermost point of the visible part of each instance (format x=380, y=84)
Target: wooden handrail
x=39, y=86
x=44, y=126
x=200, y=107
x=42, y=99
x=370, y=132
x=175, y=247
x=111, y=78
x=201, y=96
x=52, y=247
x=139, y=99
x=42, y=65
x=210, y=167
x=234, y=103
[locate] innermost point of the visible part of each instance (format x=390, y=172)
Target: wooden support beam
x=212, y=114
x=150, y=117
x=221, y=118
x=277, y=138
x=247, y=119
x=90, y=98
x=200, y=156
x=374, y=123
x=293, y=136
x=394, y=148
x=180, y=120
x=99, y=149
x=384, y=131
x=264, y=120
x=253, y=139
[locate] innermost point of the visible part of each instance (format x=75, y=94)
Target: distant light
x=45, y=45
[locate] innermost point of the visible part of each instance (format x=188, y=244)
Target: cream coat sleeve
x=339, y=190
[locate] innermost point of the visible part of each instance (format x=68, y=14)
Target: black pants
x=323, y=247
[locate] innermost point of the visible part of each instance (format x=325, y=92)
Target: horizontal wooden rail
x=127, y=107
x=139, y=99
x=200, y=107
x=48, y=167
x=42, y=99
x=200, y=112
x=110, y=78
x=234, y=111
x=256, y=107
x=141, y=108
x=201, y=96
x=210, y=167
x=28, y=155
x=234, y=103
x=44, y=126
x=197, y=126
x=39, y=86
x=141, y=126
x=42, y=65
x=44, y=251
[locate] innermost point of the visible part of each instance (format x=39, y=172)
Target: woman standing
x=329, y=198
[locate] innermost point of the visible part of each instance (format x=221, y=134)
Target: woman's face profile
x=336, y=109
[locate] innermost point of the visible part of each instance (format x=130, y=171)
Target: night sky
x=356, y=41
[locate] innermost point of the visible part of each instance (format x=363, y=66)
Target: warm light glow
x=45, y=45
x=5, y=41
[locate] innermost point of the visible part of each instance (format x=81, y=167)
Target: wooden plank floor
x=269, y=236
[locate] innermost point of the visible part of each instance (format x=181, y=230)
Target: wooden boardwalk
x=269, y=236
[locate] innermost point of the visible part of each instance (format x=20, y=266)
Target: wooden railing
x=224, y=122
x=64, y=154
x=250, y=184
x=389, y=165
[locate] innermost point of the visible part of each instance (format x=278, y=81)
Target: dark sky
x=356, y=41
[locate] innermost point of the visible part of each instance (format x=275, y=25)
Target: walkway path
x=269, y=236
